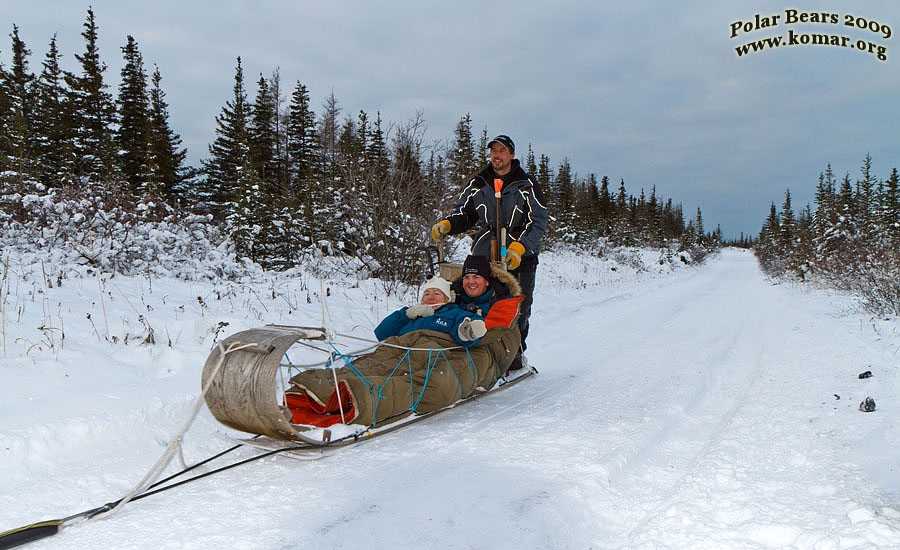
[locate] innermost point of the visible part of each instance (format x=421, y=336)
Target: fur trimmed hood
x=501, y=275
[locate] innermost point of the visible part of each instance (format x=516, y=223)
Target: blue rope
x=397, y=366
x=291, y=366
x=449, y=366
x=473, y=368
x=352, y=368
x=375, y=392
x=386, y=380
x=428, y=372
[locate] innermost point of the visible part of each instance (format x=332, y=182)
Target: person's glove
x=514, y=253
x=440, y=230
x=471, y=330
x=419, y=310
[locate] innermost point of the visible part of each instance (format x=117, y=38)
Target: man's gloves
x=440, y=230
x=419, y=310
x=514, y=253
x=471, y=330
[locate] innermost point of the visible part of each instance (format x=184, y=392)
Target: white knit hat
x=441, y=284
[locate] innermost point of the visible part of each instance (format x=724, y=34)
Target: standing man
x=522, y=215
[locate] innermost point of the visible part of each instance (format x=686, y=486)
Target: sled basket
x=243, y=395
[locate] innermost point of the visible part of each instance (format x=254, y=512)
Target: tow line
x=42, y=529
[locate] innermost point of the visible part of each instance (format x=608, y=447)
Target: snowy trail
x=697, y=411
x=708, y=388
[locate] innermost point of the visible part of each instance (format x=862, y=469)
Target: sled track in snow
x=673, y=417
x=714, y=437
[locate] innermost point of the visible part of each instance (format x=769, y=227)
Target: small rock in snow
x=868, y=405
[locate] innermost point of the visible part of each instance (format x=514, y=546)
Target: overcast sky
x=649, y=92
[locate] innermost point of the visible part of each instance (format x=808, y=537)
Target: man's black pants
x=525, y=274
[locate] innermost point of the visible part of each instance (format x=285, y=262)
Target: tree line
x=284, y=180
x=850, y=240
x=65, y=130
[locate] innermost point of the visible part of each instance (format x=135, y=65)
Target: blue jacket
x=445, y=319
x=497, y=290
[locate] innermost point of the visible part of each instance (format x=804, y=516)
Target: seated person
x=423, y=369
x=481, y=286
x=436, y=312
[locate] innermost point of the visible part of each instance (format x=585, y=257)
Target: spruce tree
x=302, y=150
x=618, y=224
x=351, y=147
x=544, y=173
x=133, y=135
x=788, y=228
x=93, y=112
x=462, y=161
x=590, y=213
x=698, y=227
x=846, y=199
x=20, y=116
x=562, y=191
x=247, y=212
x=771, y=229
x=263, y=139
x=436, y=178
x=302, y=143
x=327, y=206
x=654, y=219
x=328, y=131
x=866, y=199
x=167, y=171
x=890, y=210
x=280, y=175
x=229, y=152
x=5, y=112
x=607, y=207
x=483, y=155
x=53, y=124
x=377, y=159
x=530, y=164
x=826, y=209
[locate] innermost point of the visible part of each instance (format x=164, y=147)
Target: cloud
x=646, y=91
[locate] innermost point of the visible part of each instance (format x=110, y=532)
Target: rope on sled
x=174, y=445
x=375, y=391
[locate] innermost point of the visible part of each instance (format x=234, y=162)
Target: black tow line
x=41, y=529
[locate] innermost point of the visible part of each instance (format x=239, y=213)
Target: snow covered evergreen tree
x=93, y=112
x=263, y=138
x=133, y=135
x=530, y=165
x=890, y=206
x=482, y=154
x=21, y=143
x=849, y=242
x=302, y=151
x=53, y=124
x=329, y=206
x=166, y=163
x=227, y=163
x=248, y=212
x=462, y=161
x=787, y=230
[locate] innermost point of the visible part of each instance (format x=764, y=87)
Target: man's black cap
x=503, y=140
x=477, y=265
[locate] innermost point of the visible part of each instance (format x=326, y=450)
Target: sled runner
x=332, y=441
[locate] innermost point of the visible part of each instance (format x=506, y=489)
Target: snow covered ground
x=676, y=407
